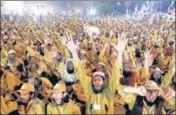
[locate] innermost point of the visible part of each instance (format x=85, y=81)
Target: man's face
x=35, y=41
x=82, y=56
x=99, y=48
x=58, y=97
x=156, y=74
x=59, y=56
x=70, y=65
x=49, y=45
x=99, y=68
x=33, y=60
x=25, y=97
x=98, y=83
x=151, y=95
x=126, y=67
x=90, y=46
x=11, y=57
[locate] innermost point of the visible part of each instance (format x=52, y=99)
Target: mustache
x=70, y=71
x=98, y=90
x=33, y=67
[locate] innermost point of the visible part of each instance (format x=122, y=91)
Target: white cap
x=101, y=63
x=12, y=52
x=83, y=52
x=99, y=73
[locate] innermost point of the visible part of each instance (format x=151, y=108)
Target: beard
x=96, y=91
x=1, y=73
x=89, y=48
x=83, y=61
x=126, y=74
x=33, y=67
x=23, y=102
x=59, y=59
x=156, y=78
x=70, y=71
x=150, y=103
x=11, y=59
x=98, y=53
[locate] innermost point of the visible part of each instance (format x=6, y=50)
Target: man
x=87, y=64
x=9, y=81
x=59, y=105
x=99, y=100
x=101, y=67
x=69, y=75
x=130, y=74
x=35, y=66
x=148, y=99
x=8, y=107
x=90, y=50
x=15, y=64
x=42, y=86
x=38, y=43
x=156, y=75
x=28, y=103
x=60, y=61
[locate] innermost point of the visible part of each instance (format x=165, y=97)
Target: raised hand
x=170, y=93
x=148, y=57
x=71, y=45
x=121, y=43
x=111, y=33
x=142, y=91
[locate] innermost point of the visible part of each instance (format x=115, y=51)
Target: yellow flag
x=75, y=19
x=108, y=20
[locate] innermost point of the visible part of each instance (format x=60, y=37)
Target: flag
x=108, y=20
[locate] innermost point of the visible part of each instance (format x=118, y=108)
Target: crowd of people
x=57, y=68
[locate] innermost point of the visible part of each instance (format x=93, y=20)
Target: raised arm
x=80, y=71
x=115, y=71
x=166, y=80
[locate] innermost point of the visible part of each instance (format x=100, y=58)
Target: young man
x=148, y=99
x=28, y=103
x=59, y=105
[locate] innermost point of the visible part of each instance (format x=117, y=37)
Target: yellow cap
x=101, y=63
x=59, y=87
x=12, y=52
x=35, y=55
x=151, y=85
x=99, y=73
x=26, y=88
x=83, y=52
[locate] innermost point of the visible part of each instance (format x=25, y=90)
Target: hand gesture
x=122, y=43
x=111, y=33
x=148, y=57
x=70, y=44
x=142, y=91
x=169, y=94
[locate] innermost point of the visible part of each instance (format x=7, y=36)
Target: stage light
x=118, y=4
x=15, y=7
x=92, y=11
